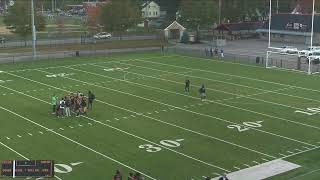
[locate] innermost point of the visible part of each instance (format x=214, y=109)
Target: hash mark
x=19, y=136
x=30, y=134
x=246, y=165
x=256, y=162
x=8, y=138
x=71, y=127
x=116, y=119
x=236, y=167
x=90, y=124
x=282, y=154
x=290, y=152
x=61, y=129
x=306, y=147
x=40, y=132
x=265, y=159
x=80, y=125
x=125, y=117
x=132, y=115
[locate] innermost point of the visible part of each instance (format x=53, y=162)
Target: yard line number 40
x=310, y=111
x=245, y=126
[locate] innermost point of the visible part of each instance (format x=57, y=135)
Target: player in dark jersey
x=187, y=86
x=202, y=92
x=117, y=176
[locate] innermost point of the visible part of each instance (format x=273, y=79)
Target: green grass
x=145, y=103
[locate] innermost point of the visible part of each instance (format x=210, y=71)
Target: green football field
x=143, y=121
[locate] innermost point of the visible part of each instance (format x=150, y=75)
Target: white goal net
x=294, y=62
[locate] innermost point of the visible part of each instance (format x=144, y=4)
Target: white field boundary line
x=155, y=119
x=19, y=154
x=242, y=77
x=83, y=64
x=235, y=84
x=242, y=64
x=176, y=107
x=127, y=133
x=225, y=92
x=73, y=141
x=305, y=174
x=242, y=96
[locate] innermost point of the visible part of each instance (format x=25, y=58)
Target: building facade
x=150, y=9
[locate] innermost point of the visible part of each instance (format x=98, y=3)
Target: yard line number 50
x=246, y=126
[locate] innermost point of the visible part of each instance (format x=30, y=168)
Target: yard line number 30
x=167, y=143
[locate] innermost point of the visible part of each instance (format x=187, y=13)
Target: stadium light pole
x=33, y=27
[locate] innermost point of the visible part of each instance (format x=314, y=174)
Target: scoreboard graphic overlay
x=27, y=168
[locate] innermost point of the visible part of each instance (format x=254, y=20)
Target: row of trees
x=120, y=15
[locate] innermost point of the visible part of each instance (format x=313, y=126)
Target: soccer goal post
x=277, y=59
x=292, y=62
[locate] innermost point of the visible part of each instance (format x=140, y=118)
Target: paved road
x=74, y=40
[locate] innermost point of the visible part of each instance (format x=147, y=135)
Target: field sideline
x=142, y=119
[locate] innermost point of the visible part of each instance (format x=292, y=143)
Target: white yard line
x=19, y=154
x=305, y=174
x=253, y=79
x=84, y=64
x=235, y=84
x=225, y=82
x=135, y=136
x=155, y=119
x=255, y=112
x=172, y=106
x=73, y=141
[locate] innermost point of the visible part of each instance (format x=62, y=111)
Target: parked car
x=308, y=52
x=289, y=50
x=315, y=55
x=102, y=35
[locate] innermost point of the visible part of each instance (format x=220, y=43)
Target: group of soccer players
x=202, y=90
x=74, y=102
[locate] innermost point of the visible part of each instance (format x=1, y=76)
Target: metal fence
x=278, y=61
x=236, y=58
x=65, y=54
x=74, y=40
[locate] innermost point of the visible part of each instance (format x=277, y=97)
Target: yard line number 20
x=246, y=126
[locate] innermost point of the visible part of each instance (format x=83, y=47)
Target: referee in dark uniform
x=187, y=86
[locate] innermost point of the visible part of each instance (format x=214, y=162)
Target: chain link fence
x=65, y=54
x=236, y=58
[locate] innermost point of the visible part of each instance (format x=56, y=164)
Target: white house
x=150, y=9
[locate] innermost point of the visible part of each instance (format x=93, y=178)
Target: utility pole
x=52, y=4
x=34, y=53
x=219, y=18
